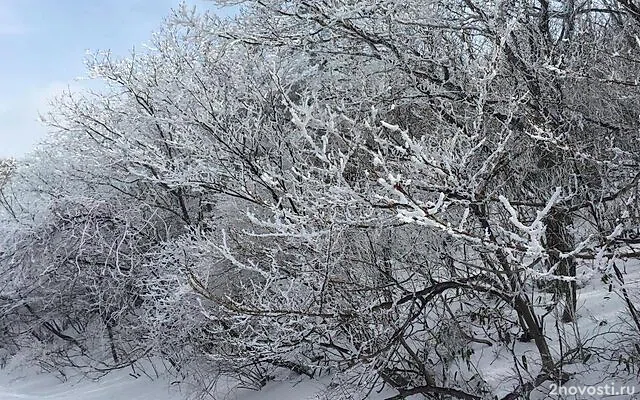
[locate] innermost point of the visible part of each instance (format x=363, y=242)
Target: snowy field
x=29, y=384
x=598, y=310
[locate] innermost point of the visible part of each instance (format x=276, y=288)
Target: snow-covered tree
x=380, y=191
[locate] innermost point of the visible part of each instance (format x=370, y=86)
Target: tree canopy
x=376, y=191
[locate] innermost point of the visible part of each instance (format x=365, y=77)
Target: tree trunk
x=533, y=327
x=559, y=241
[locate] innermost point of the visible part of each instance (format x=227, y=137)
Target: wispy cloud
x=20, y=128
x=42, y=44
x=10, y=23
x=11, y=29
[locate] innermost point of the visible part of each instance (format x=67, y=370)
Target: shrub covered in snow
x=390, y=194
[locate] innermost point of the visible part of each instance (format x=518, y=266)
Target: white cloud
x=10, y=23
x=8, y=29
x=20, y=129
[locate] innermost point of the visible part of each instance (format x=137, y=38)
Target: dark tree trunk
x=559, y=241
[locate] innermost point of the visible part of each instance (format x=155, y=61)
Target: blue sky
x=42, y=49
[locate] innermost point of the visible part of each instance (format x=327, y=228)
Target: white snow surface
x=598, y=310
x=29, y=384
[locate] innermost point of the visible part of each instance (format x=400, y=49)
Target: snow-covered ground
x=30, y=385
x=599, y=310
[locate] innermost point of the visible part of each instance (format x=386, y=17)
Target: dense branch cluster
x=391, y=193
